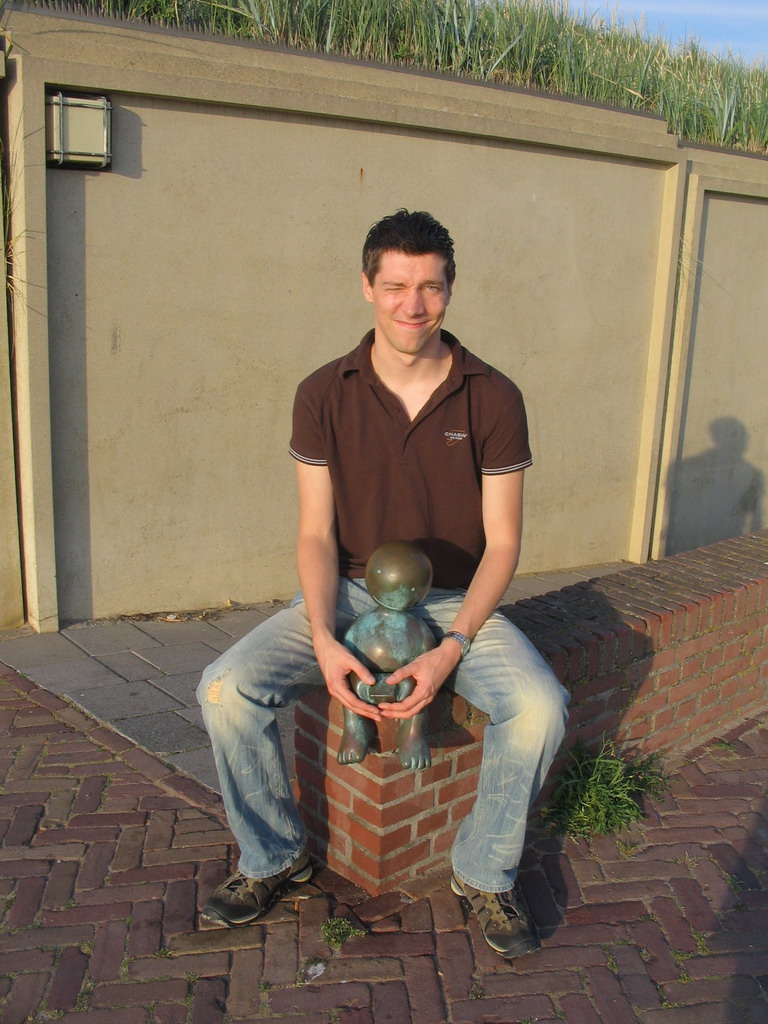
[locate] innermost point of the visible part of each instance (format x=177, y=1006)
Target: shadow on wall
x=717, y=494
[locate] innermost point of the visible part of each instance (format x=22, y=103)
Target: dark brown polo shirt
x=420, y=480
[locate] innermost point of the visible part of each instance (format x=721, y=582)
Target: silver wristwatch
x=463, y=641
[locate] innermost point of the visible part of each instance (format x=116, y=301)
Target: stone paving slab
x=32, y=650
x=140, y=676
x=106, y=855
x=72, y=676
x=109, y=637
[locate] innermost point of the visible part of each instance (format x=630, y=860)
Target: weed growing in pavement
x=476, y=990
x=702, y=946
x=734, y=883
x=626, y=849
x=44, y=1014
x=84, y=995
x=337, y=930
x=163, y=951
x=127, y=961
x=680, y=957
x=725, y=746
x=610, y=961
x=600, y=793
x=645, y=955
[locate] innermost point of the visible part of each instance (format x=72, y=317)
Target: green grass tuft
x=600, y=793
x=336, y=931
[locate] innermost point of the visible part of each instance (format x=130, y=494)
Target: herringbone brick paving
x=106, y=853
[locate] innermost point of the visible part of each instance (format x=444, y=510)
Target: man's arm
x=317, y=558
x=503, y=523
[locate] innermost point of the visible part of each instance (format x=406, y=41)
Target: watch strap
x=463, y=641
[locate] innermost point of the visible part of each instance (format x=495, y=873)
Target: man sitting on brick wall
x=408, y=437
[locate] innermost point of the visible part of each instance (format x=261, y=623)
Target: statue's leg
x=412, y=742
x=411, y=735
x=356, y=738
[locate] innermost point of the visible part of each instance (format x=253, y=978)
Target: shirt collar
x=464, y=364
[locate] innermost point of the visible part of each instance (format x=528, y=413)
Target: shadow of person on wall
x=716, y=494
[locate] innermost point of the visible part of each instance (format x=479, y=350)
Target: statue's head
x=398, y=575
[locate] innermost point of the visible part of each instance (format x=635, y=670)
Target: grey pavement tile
x=525, y=586
x=73, y=677
x=558, y=580
x=239, y=621
x=25, y=652
x=193, y=715
x=126, y=700
x=591, y=572
x=164, y=733
x=182, y=686
x=109, y=637
x=222, y=643
x=128, y=665
x=199, y=764
x=183, y=631
x=270, y=608
x=181, y=658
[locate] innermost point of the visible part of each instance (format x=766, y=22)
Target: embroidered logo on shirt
x=454, y=436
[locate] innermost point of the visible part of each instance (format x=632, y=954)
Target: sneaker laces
x=507, y=907
x=242, y=887
x=499, y=907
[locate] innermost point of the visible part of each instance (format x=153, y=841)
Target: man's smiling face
x=410, y=295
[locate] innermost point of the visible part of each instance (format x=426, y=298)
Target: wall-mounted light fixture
x=78, y=131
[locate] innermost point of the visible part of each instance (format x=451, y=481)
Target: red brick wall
x=375, y=823
x=662, y=656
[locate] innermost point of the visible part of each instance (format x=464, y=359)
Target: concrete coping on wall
x=661, y=656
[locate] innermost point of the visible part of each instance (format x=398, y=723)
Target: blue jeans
x=275, y=664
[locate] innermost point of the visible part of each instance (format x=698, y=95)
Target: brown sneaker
x=241, y=900
x=503, y=917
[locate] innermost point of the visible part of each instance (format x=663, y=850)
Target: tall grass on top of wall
x=535, y=44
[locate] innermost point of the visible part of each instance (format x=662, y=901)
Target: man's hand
x=336, y=662
x=429, y=670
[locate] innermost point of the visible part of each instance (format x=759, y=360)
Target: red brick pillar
x=376, y=823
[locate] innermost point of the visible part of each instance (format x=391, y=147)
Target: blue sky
x=741, y=25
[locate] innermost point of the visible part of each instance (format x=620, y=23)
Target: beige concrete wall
x=716, y=477
x=188, y=290
x=11, y=597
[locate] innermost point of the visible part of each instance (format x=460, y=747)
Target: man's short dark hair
x=415, y=234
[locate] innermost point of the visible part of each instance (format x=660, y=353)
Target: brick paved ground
x=106, y=853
